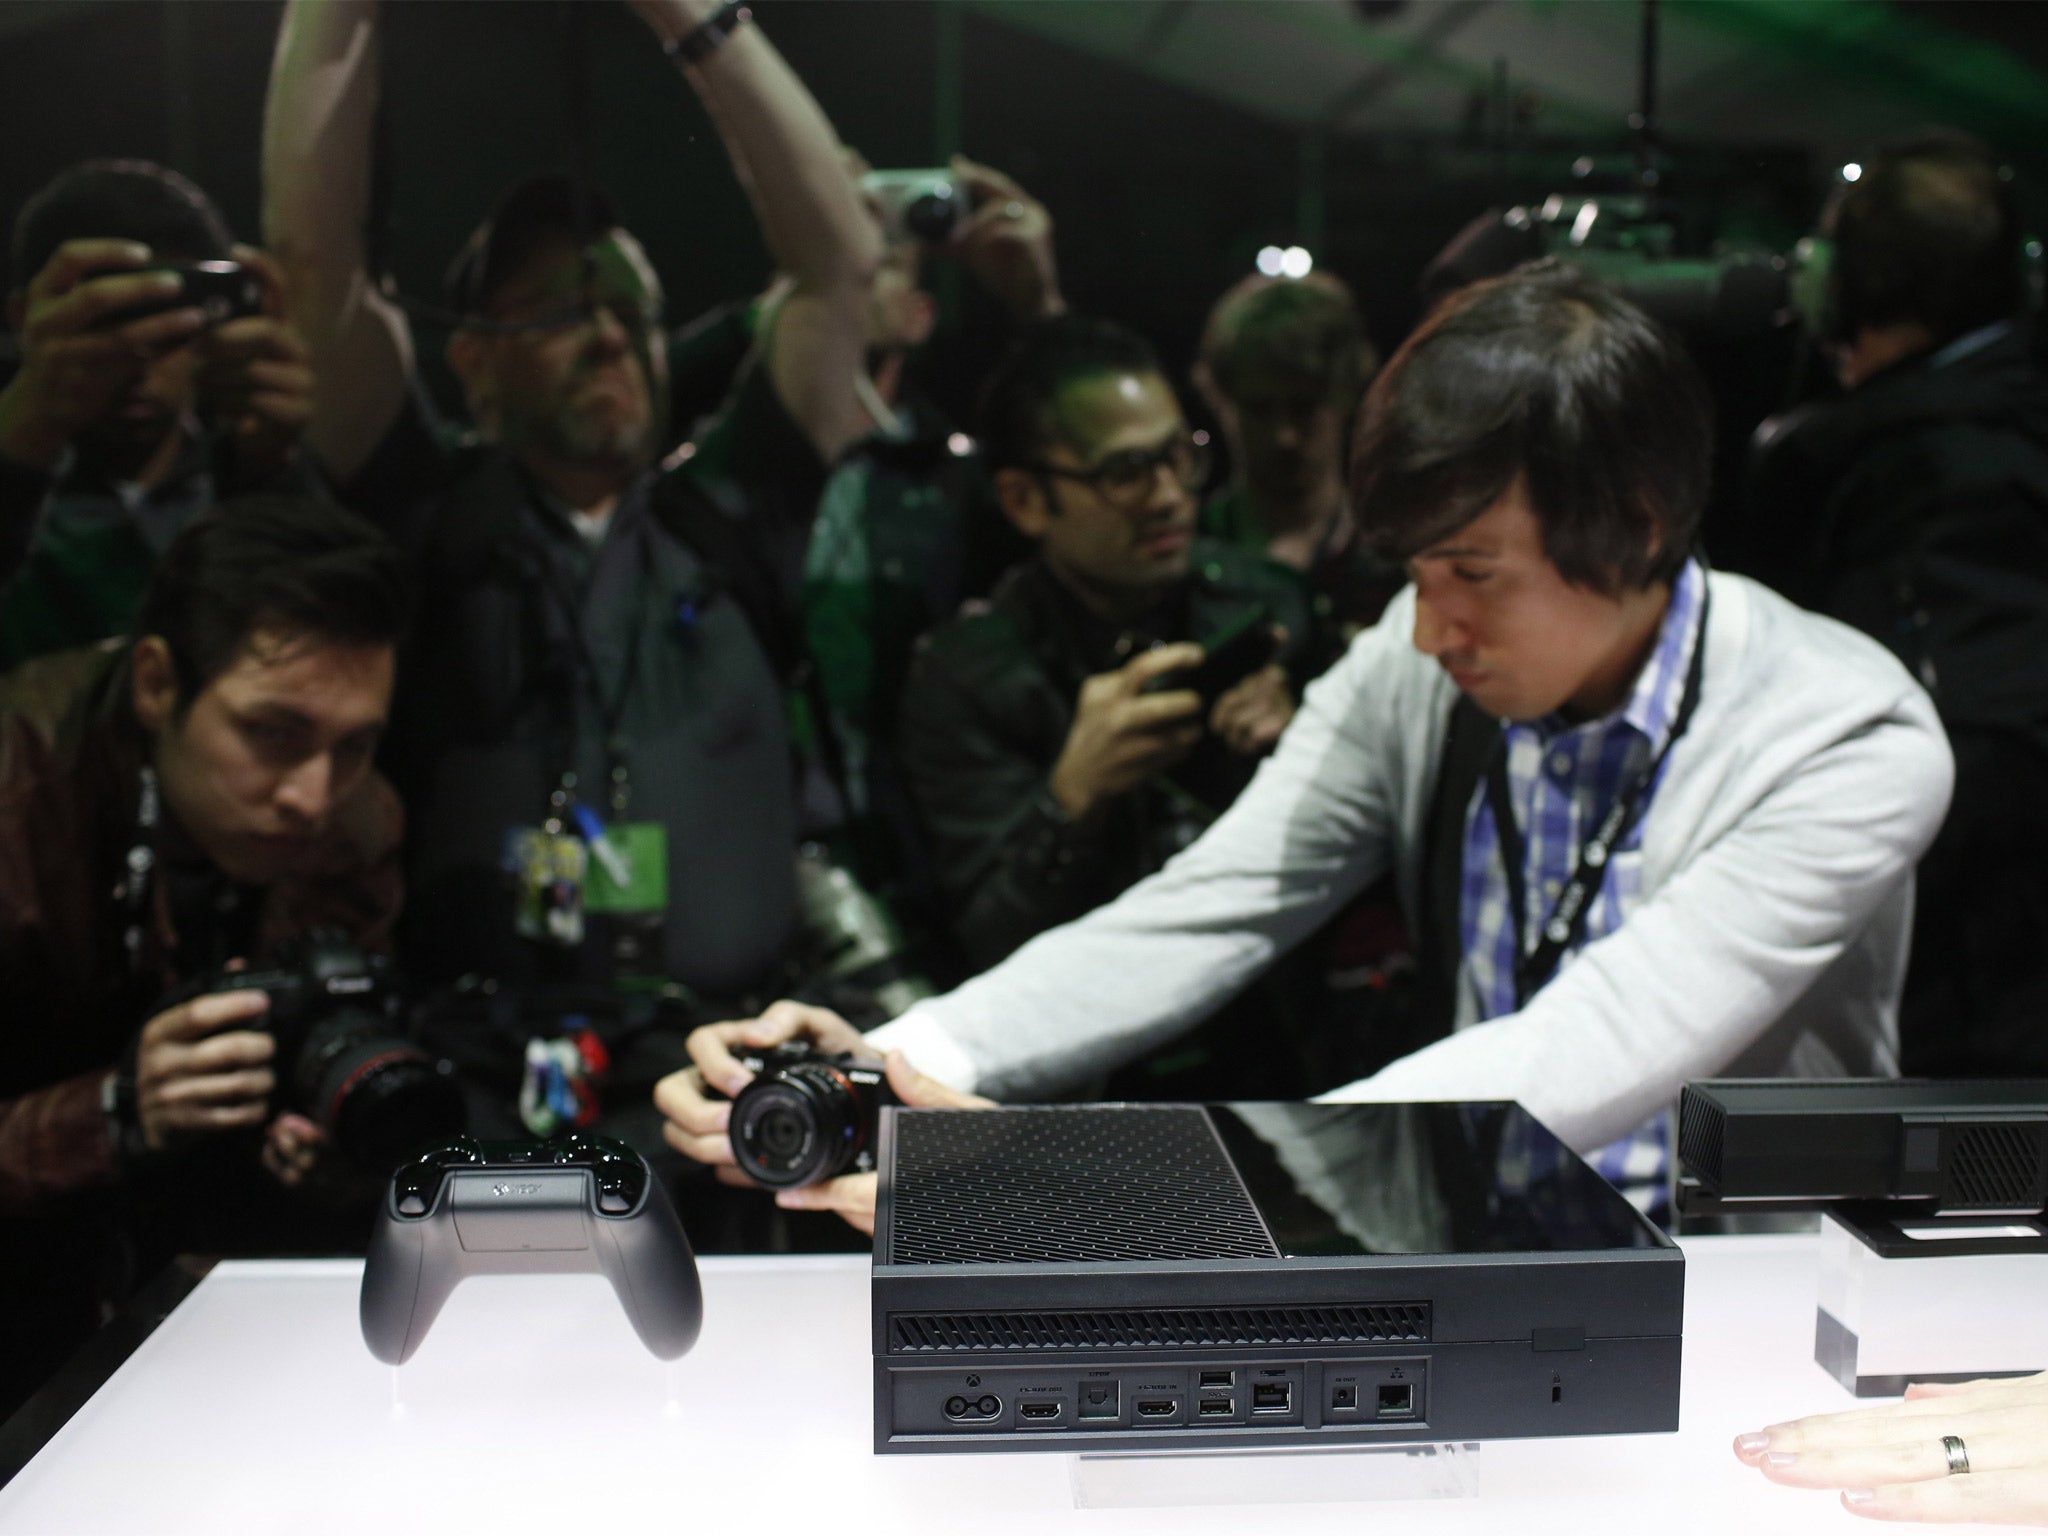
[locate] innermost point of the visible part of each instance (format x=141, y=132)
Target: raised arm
x=789, y=160
x=316, y=196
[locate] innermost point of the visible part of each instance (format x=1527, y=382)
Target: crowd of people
x=707, y=686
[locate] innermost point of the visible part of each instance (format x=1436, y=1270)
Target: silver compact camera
x=926, y=206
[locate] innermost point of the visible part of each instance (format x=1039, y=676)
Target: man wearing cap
x=592, y=740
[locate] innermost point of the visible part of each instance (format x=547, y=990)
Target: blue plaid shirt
x=1562, y=780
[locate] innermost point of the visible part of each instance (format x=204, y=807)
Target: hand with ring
x=1007, y=243
x=1971, y=1451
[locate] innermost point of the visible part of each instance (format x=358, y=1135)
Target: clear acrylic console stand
x=1941, y=1299
x=1345, y=1474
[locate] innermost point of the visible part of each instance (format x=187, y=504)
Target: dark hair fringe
x=299, y=564
x=1547, y=378
x=1018, y=413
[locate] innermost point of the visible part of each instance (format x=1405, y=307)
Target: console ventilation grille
x=1049, y=1184
x=1997, y=1168
x=1203, y=1327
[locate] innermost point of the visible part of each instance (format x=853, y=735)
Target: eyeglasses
x=1125, y=479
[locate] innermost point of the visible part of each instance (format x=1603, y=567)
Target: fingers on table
x=1991, y=1498
x=1905, y=1450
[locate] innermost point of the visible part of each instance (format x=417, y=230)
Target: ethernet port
x=1272, y=1396
x=1397, y=1400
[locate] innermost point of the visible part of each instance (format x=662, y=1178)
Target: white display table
x=532, y=1408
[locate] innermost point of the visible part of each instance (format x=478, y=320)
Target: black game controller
x=574, y=1205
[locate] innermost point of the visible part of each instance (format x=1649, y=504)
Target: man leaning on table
x=1562, y=701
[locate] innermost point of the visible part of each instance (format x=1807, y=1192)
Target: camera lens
x=795, y=1126
x=930, y=216
x=382, y=1099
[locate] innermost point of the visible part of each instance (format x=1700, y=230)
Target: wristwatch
x=709, y=35
x=123, y=1116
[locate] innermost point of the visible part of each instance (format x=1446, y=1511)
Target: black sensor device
x=575, y=1205
x=1936, y=1147
x=1185, y=1276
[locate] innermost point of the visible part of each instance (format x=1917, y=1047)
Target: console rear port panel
x=1184, y=1400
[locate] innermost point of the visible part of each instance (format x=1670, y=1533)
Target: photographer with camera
x=1916, y=509
x=908, y=524
x=1649, y=825
x=1054, y=746
x=1283, y=364
x=158, y=374
x=594, y=747
x=172, y=806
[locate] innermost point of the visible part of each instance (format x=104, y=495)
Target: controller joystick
x=576, y=1205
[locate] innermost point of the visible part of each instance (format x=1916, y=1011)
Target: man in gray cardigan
x=1651, y=824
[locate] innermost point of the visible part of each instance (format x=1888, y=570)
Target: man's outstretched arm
x=316, y=196
x=818, y=231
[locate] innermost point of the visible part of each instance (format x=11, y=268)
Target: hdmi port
x=1039, y=1410
x=1155, y=1407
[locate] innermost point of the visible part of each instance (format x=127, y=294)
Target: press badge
x=549, y=871
x=628, y=869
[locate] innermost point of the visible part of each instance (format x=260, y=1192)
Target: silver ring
x=1013, y=209
x=1958, y=1458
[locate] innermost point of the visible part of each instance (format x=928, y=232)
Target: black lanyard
x=589, y=682
x=1567, y=920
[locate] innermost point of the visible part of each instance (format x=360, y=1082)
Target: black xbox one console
x=574, y=1205
x=1120, y=1277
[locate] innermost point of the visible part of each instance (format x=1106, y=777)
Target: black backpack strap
x=1471, y=740
x=735, y=565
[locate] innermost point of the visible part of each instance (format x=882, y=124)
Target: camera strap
x=1568, y=914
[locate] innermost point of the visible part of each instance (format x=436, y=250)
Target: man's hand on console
x=852, y=1195
x=1968, y=1451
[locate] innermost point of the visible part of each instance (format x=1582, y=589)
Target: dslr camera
x=807, y=1116
x=917, y=205
x=343, y=1059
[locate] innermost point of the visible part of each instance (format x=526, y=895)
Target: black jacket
x=1917, y=510
x=986, y=711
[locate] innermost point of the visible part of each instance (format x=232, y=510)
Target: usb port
x=1218, y=1379
x=1155, y=1407
x=1397, y=1399
x=1039, y=1410
x=1272, y=1396
x=1215, y=1408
